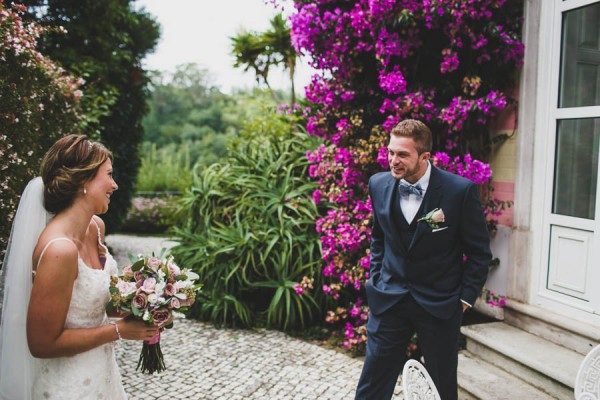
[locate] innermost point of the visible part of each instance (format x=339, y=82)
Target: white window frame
x=547, y=115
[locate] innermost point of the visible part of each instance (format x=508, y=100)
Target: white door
x=570, y=261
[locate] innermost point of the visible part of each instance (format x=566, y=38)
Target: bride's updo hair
x=70, y=163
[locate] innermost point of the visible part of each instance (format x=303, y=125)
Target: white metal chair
x=416, y=382
x=587, y=383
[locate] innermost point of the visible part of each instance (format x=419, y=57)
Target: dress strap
x=48, y=245
x=102, y=246
x=99, y=232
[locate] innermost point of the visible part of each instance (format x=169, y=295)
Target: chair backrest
x=587, y=383
x=416, y=382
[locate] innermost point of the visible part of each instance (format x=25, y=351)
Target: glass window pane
x=576, y=168
x=580, y=58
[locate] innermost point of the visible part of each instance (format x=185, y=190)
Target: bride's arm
x=49, y=304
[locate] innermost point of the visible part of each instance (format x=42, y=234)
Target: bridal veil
x=17, y=365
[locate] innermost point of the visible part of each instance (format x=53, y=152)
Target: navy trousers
x=388, y=336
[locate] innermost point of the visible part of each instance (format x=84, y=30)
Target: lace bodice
x=93, y=374
x=90, y=295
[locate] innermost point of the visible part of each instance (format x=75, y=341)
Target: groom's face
x=405, y=161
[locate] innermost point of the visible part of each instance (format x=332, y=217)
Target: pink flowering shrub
x=450, y=64
x=40, y=103
x=150, y=214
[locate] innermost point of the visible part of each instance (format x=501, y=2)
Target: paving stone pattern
x=225, y=364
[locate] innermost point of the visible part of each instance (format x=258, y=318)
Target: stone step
x=535, y=360
x=464, y=395
x=575, y=335
x=484, y=381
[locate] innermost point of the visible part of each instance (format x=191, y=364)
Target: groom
x=420, y=282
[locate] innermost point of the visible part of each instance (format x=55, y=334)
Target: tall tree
x=262, y=50
x=279, y=45
x=105, y=43
x=184, y=106
x=250, y=51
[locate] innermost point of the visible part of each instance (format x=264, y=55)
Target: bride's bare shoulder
x=47, y=248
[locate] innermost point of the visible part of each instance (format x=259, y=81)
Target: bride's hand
x=131, y=329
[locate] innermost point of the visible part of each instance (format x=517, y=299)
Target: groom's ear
x=426, y=155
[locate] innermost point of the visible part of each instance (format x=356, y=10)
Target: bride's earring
x=84, y=191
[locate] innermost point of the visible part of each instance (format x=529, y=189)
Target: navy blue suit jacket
x=431, y=268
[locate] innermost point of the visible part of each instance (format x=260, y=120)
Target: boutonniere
x=434, y=218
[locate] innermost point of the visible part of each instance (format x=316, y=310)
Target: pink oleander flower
x=299, y=290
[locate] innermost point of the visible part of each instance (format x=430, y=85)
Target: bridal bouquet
x=154, y=291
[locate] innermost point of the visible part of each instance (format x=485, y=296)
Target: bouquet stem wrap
x=151, y=358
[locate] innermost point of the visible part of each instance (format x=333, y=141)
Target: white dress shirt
x=410, y=204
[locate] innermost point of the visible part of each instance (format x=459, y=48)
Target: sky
x=198, y=31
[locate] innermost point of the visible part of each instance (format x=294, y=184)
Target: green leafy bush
x=250, y=230
x=40, y=103
x=167, y=169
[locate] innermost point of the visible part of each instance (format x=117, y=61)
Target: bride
x=56, y=341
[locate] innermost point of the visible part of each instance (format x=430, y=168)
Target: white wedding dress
x=90, y=375
x=93, y=374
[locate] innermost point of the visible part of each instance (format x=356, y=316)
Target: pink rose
x=127, y=272
x=170, y=289
x=438, y=216
x=140, y=301
x=161, y=317
x=186, y=302
x=149, y=285
x=152, y=299
x=138, y=276
x=174, y=303
x=153, y=263
x=173, y=268
x=126, y=288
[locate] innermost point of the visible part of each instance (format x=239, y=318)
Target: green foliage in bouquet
x=250, y=230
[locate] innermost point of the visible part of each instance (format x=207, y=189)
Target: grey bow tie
x=406, y=189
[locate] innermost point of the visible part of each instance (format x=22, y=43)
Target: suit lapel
x=430, y=201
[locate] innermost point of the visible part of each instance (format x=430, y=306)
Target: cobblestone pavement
x=224, y=364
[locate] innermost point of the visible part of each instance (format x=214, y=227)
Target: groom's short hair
x=417, y=131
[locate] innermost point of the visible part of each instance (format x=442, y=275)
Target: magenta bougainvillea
x=449, y=63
